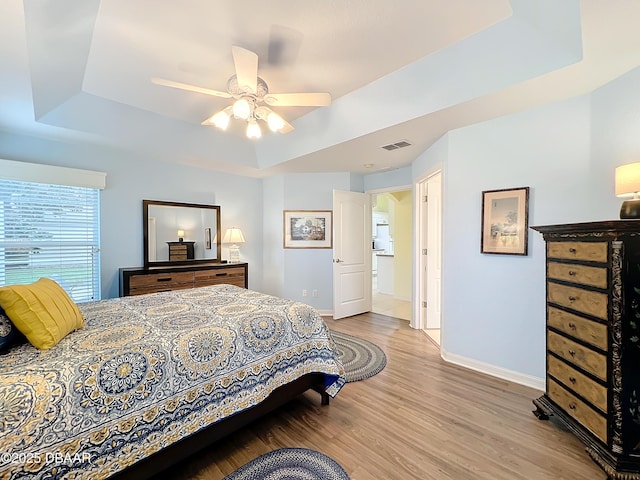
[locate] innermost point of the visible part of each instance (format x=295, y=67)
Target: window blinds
x=51, y=231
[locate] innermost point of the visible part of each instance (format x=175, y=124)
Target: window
x=50, y=231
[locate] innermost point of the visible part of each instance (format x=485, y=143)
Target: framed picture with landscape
x=307, y=228
x=505, y=221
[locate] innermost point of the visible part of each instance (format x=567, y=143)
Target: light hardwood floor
x=385, y=304
x=420, y=418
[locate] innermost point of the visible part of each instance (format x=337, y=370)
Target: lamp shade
x=233, y=235
x=221, y=119
x=253, y=129
x=275, y=122
x=241, y=109
x=628, y=180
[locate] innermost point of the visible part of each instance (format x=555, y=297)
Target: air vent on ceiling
x=397, y=145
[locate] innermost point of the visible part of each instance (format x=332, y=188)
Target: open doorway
x=428, y=285
x=391, y=226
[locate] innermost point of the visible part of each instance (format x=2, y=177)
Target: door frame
x=419, y=320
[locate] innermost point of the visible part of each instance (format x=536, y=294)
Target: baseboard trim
x=403, y=299
x=499, y=372
x=325, y=313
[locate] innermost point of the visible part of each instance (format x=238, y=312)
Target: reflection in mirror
x=180, y=233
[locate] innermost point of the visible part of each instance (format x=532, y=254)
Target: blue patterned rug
x=290, y=464
x=361, y=358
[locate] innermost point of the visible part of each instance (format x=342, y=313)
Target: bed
x=151, y=378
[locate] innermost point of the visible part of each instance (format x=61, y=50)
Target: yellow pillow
x=42, y=311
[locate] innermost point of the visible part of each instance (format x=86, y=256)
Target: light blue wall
x=493, y=305
x=615, y=140
x=130, y=179
x=357, y=182
x=431, y=160
x=400, y=177
x=311, y=269
x=274, y=272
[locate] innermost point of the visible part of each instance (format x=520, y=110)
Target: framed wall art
x=307, y=228
x=207, y=238
x=505, y=221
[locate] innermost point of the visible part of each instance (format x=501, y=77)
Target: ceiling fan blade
x=246, y=63
x=190, y=88
x=298, y=99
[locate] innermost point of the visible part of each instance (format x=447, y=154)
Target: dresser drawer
x=592, y=303
x=579, y=383
x=230, y=275
x=583, y=413
x=166, y=280
x=586, y=251
x=578, y=327
x=178, y=252
x=582, y=274
x=583, y=357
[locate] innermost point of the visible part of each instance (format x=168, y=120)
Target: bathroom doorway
x=391, y=225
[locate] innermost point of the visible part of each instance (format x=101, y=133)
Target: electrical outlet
x=304, y=292
x=314, y=293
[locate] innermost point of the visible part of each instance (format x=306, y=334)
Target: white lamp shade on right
x=628, y=186
x=628, y=180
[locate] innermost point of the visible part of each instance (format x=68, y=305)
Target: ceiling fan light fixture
x=241, y=109
x=253, y=129
x=275, y=122
x=252, y=97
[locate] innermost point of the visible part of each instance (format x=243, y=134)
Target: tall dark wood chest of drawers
x=593, y=339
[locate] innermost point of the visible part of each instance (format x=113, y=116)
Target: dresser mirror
x=180, y=233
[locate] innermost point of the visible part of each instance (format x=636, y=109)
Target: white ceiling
x=410, y=70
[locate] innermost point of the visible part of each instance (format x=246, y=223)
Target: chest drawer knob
x=572, y=353
x=572, y=250
x=572, y=406
x=572, y=298
x=572, y=273
x=572, y=325
x=572, y=380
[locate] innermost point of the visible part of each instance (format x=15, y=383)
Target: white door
x=434, y=251
x=351, y=253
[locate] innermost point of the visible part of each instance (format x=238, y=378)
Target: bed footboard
x=177, y=452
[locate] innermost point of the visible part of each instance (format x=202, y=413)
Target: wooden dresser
x=593, y=339
x=136, y=281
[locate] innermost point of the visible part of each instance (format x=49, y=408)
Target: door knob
x=337, y=260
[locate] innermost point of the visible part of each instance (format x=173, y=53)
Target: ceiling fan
x=252, y=97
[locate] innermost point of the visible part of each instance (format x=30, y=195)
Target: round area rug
x=361, y=359
x=290, y=464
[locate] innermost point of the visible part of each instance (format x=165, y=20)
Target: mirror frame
x=168, y=263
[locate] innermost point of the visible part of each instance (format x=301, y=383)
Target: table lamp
x=234, y=236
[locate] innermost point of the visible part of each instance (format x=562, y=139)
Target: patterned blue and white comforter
x=148, y=371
